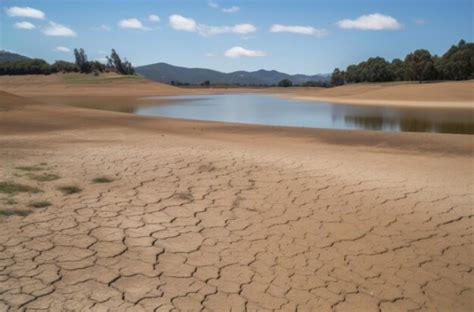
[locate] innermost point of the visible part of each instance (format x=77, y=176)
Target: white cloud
x=303, y=30
x=25, y=12
x=58, y=30
x=213, y=4
x=243, y=28
x=132, y=23
x=232, y=9
x=209, y=54
x=153, y=18
x=182, y=23
x=179, y=22
x=420, y=21
x=24, y=25
x=104, y=27
x=374, y=21
x=216, y=30
x=62, y=49
x=237, y=52
x=103, y=60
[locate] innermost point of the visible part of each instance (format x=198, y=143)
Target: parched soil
x=219, y=217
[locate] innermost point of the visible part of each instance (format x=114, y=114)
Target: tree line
x=81, y=65
x=456, y=64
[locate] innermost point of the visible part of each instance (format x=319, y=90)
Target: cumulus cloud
x=62, y=49
x=132, y=23
x=374, y=21
x=182, y=23
x=232, y=9
x=303, y=30
x=237, y=52
x=58, y=30
x=24, y=25
x=153, y=18
x=179, y=22
x=216, y=30
x=25, y=12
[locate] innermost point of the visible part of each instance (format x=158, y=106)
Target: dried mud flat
x=232, y=218
x=188, y=226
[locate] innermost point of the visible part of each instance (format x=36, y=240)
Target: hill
x=167, y=73
x=6, y=56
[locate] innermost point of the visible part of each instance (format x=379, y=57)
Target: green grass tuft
x=29, y=168
x=40, y=204
x=102, y=180
x=12, y=188
x=104, y=78
x=70, y=189
x=184, y=196
x=46, y=177
x=15, y=212
x=10, y=201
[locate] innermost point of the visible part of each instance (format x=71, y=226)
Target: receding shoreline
x=221, y=215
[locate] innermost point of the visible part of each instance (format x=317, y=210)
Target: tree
x=206, y=83
x=397, y=67
x=337, y=77
x=64, y=67
x=419, y=66
x=285, y=83
x=457, y=63
x=25, y=67
x=81, y=61
x=124, y=68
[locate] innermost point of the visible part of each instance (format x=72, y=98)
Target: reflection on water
x=269, y=110
x=409, y=125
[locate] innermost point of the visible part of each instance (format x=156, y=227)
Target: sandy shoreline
x=456, y=95
x=214, y=216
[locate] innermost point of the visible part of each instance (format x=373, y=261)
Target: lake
x=251, y=108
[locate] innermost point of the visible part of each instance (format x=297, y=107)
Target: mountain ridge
x=7, y=56
x=167, y=73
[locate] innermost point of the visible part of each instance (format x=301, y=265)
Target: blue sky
x=292, y=36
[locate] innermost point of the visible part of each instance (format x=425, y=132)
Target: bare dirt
x=219, y=217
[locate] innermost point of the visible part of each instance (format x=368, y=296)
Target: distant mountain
x=6, y=56
x=167, y=73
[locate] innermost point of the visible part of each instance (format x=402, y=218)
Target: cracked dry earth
x=211, y=225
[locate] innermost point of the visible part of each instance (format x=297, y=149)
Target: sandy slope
x=458, y=94
x=217, y=216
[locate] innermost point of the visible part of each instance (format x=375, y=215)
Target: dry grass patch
x=46, y=177
x=102, y=179
x=70, y=189
x=14, y=212
x=40, y=204
x=12, y=188
x=184, y=196
x=10, y=201
x=30, y=168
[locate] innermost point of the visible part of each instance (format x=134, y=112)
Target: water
x=262, y=109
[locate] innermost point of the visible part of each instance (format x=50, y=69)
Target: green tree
x=337, y=77
x=397, y=67
x=64, y=67
x=81, y=61
x=457, y=63
x=124, y=68
x=419, y=66
x=285, y=83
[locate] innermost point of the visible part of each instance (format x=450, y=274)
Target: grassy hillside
x=103, y=78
